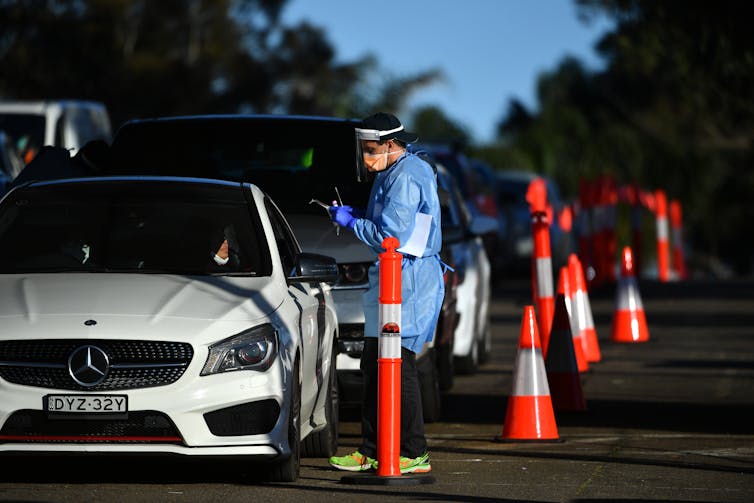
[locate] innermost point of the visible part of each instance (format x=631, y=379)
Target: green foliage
x=673, y=109
x=173, y=57
x=432, y=125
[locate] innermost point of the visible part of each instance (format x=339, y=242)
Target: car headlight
x=253, y=349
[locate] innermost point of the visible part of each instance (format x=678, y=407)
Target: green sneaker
x=354, y=462
x=415, y=465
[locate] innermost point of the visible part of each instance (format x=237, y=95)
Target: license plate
x=89, y=404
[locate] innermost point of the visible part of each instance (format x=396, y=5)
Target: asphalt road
x=668, y=420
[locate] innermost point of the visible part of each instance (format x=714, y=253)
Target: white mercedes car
x=165, y=316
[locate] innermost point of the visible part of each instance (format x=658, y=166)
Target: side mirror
x=314, y=268
x=482, y=224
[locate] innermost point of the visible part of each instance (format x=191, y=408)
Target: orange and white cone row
x=529, y=415
x=629, y=321
x=581, y=310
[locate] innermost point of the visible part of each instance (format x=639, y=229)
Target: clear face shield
x=368, y=135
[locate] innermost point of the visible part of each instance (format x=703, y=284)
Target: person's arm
x=402, y=196
x=221, y=256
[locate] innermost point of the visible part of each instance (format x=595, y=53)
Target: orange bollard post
x=389, y=362
x=676, y=226
x=389, y=378
x=541, y=259
x=663, y=248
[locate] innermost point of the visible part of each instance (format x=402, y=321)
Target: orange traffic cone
x=562, y=370
x=529, y=415
x=564, y=287
x=629, y=321
x=581, y=310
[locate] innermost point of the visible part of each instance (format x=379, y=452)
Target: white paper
x=417, y=242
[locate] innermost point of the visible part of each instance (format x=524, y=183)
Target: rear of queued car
x=121, y=334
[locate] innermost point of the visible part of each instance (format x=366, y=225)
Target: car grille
x=132, y=364
x=138, y=427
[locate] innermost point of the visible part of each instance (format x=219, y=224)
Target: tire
x=288, y=469
x=468, y=365
x=485, y=349
x=429, y=387
x=324, y=443
x=445, y=367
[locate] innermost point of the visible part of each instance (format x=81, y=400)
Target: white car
x=69, y=124
x=472, y=343
x=122, y=330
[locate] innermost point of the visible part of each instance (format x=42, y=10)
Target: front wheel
x=485, y=350
x=468, y=364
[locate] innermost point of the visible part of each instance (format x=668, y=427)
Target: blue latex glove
x=342, y=216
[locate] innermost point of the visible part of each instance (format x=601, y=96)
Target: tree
x=673, y=109
x=174, y=57
x=432, y=125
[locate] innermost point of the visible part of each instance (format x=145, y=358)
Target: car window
x=292, y=161
x=288, y=247
x=121, y=227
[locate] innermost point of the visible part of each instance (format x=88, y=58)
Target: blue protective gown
x=406, y=188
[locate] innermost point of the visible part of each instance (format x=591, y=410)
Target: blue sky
x=489, y=50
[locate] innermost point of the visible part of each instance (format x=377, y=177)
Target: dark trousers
x=413, y=442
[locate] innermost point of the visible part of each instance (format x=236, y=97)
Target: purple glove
x=341, y=215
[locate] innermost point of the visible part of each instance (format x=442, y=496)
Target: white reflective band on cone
x=544, y=277
x=579, y=310
x=530, y=378
x=572, y=321
x=588, y=311
x=662, y=229
x=628, y=295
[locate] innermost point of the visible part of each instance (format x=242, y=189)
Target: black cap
x=387, y=127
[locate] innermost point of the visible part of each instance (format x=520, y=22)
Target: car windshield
x=294, y=161
x=128, y=227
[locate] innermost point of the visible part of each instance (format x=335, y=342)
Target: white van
x=64, y=123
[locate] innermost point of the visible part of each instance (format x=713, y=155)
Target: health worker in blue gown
x=403, y=203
